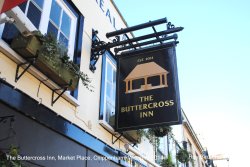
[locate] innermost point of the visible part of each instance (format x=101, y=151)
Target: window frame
x=37, y=6
x=197, y=159
x=129, y=135
x=72, y=34
x=106, y=58
x=1, y=29
x=45, y=19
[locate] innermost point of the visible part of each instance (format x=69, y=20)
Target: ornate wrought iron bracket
x=170, y=26
x=100, y=47
x=95, y=54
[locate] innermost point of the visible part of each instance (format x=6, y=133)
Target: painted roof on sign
x=146, y=69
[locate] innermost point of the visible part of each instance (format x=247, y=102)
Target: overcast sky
x=213, y=65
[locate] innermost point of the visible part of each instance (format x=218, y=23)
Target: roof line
x=190, y=128
x=120, y=14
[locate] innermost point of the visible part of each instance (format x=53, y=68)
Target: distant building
x=184, y=137
x=193, y=145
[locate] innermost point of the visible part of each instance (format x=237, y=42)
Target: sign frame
x=129, y=111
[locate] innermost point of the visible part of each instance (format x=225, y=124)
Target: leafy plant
x=5, y=160
x=167, y=162
x=56, y=52
x=152, y=138
x=183, y=156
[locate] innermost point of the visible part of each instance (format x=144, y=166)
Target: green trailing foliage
x=152, y=138
x=56, y=52
x=167, y=162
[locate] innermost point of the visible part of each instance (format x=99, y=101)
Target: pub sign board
x=147, y=90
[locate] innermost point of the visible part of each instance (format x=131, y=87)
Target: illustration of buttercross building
x=146, y=71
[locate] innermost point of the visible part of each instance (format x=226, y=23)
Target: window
x=190, y=149
x=197, y=160
x=62, y=23
x=163, y=145
x=107, y=108
x=108, y=98
x=59, y=20
x=33, y=10
x=59, y=17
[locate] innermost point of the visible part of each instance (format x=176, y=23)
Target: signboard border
x=134, y=53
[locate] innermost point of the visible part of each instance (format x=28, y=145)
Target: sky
x=213, y=67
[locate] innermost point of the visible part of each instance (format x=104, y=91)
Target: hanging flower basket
x=183, y=156
x=161, y=131
x=51, y=59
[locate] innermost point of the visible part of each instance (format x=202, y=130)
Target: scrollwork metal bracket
x=170, y=25
x=132, y=43
x=98, y=48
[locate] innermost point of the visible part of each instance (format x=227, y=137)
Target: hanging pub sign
x=147, y=90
